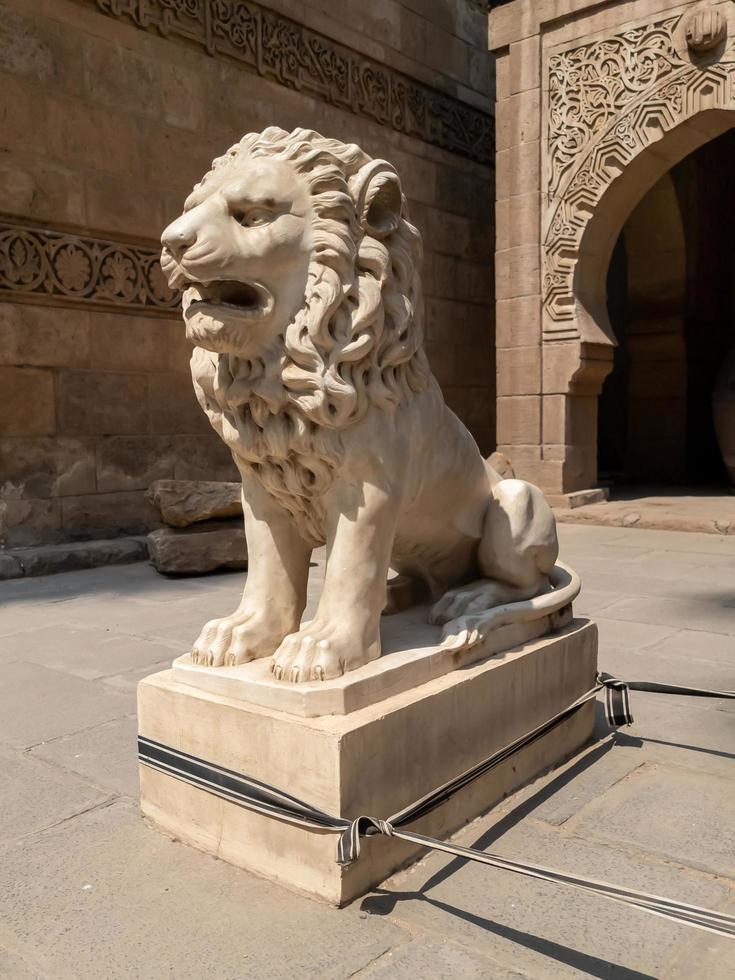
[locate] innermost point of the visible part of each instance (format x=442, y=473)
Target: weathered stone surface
x=63, y=796
x=39, y=704
x=102, y=755
x=107, y=363
x=101, y=403
x=439, y=958
x=185, y=502
x=202, y=457
x=106, y=874
x=69, y=556
x=48, y=466
x=684, y=834
x=26, y=402
x=442, y=918
x=23, y=521
x=10, y=567
x=173, y=406
x=133, y=462
x=200, y=548
x=87, y=651
x=106, y=514
x=711, y=514
x=43, y=336
x=554, y=74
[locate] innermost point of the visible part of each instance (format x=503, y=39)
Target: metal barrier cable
x=253, y=794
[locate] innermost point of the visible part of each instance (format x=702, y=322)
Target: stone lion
x=301, y=295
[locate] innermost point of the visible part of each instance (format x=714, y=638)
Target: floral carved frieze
x=44, y=265
x=607, y=101
x=288, y=53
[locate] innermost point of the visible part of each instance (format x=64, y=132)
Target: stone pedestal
x=373, y=760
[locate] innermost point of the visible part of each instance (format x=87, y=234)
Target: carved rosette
x=61, y=268
x=607, y=101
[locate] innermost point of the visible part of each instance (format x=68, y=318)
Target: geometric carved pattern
x=43, y=265
x=609, y=100
x=590, y=85
x=284, y=51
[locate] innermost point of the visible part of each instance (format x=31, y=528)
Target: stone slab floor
x=88, y=890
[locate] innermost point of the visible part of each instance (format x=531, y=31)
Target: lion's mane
x=356, y=343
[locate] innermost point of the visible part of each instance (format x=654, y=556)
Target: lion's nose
x=180, y=235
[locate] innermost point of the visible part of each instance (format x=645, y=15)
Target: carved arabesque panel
x=591, y=84
x=607, y=101
x=290, y=54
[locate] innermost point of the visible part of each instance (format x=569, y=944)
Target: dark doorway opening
x=671, y=302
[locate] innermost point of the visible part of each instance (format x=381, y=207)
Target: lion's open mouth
x=229, y=297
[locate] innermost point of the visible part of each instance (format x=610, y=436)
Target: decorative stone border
x=44, y=265
x=298, y=58
x=608, y=100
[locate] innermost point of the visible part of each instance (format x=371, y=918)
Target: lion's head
x=300, y=271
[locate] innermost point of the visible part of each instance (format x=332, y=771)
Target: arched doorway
x=595, y=299
x=623, y=95
x=671, y=308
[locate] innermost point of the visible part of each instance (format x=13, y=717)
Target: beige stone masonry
x=373, y=761
x=96, y=106
x=596, y=100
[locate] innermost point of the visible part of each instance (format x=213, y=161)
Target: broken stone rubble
x=198, y=540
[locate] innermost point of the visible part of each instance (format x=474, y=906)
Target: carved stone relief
x=286, y=52
x=705, y=29
x=302, y=299
x=41, y=264
x=607, y=101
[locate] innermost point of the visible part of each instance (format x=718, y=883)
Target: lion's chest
x=293, y=458
x=299, y=484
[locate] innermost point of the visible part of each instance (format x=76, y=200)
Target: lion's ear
x=376, y=189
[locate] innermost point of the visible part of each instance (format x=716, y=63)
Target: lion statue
x=301, y=295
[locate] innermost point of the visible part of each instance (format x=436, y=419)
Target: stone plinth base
x=372, y=761
x=412, y=655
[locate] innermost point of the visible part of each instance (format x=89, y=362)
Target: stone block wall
x=106, y=122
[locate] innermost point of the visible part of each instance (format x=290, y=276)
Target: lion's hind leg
x=477, y=597
x=404, y=591
x=517, y=552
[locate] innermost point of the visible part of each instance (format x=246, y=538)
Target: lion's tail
x=467, y=631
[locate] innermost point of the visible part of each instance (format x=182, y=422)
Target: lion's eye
x=257, y=216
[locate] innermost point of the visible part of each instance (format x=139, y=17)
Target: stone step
x=70, y=556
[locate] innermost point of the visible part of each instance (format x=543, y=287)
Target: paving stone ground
x=663, y=508
x=87, y=890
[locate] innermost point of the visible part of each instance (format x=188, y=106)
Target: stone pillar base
x=373, y=761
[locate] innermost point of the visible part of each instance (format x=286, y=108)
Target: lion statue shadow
x=299, y=268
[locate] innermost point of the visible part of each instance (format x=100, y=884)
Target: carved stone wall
x=608, y=100
x=112, y=110
x=278, y=48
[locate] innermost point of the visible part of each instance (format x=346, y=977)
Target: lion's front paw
x=320, y=652
x=244, y=636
